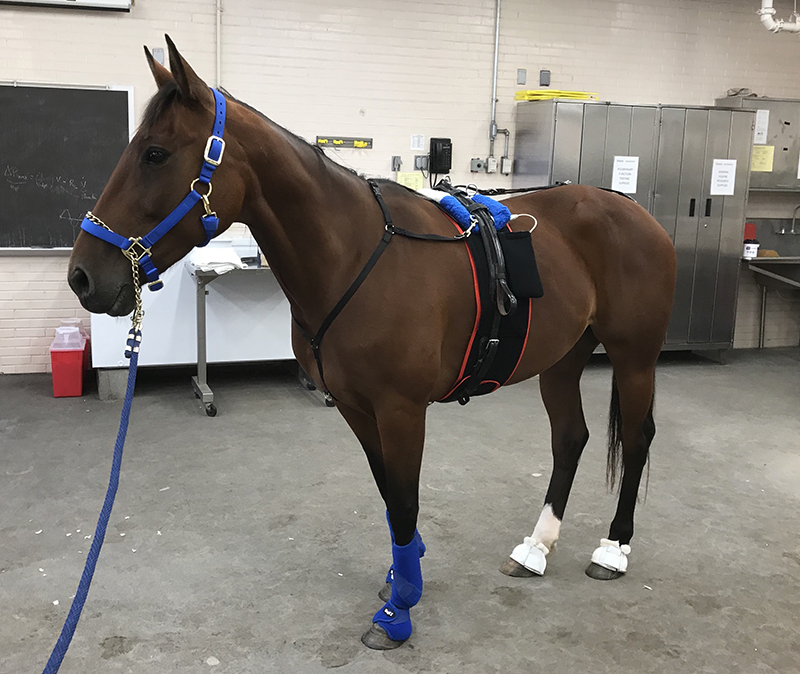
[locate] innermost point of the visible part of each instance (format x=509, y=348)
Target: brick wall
x=387, y=70
x=34, y=297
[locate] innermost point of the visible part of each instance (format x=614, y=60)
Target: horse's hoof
x=386, y=593
x=602, y=573
x=377, y=639
x=515, y=569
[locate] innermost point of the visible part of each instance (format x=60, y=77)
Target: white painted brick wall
x=390, y=69
x=34, y=298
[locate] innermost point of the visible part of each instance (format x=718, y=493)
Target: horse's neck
x=311, y=219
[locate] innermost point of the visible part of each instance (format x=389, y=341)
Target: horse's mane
x=167, y=94
x=292, y=136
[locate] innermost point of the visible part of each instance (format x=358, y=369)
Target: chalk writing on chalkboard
x=74, y=187
x=58, y=148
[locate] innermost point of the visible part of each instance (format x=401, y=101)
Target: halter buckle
x=132, y=253
x=218, y=160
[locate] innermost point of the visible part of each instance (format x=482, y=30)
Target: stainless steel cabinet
x=705, y=227
x=780, y=137
x=560, y=141
x=676, y=148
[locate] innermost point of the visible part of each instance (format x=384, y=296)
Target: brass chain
x=138, y=312
x=97, y=221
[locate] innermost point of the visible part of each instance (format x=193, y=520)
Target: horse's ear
x=191, y=87
x=160, y=73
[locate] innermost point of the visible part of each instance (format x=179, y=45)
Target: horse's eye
x=155, y=155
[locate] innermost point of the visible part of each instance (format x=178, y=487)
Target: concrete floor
x=256, y=539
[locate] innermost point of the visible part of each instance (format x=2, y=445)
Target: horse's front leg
x=401, y=425
x=365, y=428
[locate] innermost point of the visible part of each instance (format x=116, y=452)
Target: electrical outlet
x=491, y=165
x=397, y=163
x=420, y=162
x=476, y=164
x=505, y=165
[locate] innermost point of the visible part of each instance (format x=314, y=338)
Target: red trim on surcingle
x=461, y=377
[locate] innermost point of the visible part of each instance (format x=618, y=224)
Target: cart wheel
x=211, y=410
x=329, y=401
x=305, y=380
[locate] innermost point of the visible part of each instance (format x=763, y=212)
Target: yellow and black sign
x=342, y=141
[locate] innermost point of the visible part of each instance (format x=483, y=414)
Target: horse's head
x=152, y=177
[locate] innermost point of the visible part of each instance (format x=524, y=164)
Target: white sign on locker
x=723, y=177
x=626, y=174
x=762, y=124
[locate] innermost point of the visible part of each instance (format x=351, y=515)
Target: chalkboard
x=58, y=148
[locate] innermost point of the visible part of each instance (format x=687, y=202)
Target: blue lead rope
x=65, y=638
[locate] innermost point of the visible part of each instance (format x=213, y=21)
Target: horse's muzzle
x=111, y=299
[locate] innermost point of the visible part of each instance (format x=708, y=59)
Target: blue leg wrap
x=406, y=592
x=417, y=538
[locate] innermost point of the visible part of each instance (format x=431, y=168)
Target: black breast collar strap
x=316, y=340
x=389, y=231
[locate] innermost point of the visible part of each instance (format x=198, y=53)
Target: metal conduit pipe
x=493, y=124
x=767, y=14
x=218, y=43
x=507, y=135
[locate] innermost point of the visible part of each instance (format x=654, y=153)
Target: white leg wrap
x=611, y=555
x=531, y=555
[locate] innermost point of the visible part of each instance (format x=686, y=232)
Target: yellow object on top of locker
x=546, y=94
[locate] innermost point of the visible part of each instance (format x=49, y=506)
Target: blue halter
x=137, y=249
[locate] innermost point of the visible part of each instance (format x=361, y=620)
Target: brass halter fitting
x=204, y=197
x=135, y=252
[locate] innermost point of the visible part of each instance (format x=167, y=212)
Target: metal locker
x=676, y=147
x=644, y=125
x=533, y=144
x=690, y=181
x=709, y=229
x=782, y=135
x=595, y=123
x=618, y=140
x=733, y=216
x=567, y=142
x=668, y=161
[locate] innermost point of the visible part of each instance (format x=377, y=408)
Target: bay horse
x=608, y=269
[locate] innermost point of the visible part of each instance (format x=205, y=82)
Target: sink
x=776, y=272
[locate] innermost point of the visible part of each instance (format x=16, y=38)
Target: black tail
x=614, y=461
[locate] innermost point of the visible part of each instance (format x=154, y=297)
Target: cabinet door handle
x=708, y=208
x=691, y=207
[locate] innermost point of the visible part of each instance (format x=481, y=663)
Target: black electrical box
x=441, y=159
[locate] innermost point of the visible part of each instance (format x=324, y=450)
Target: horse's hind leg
x=561, y=394
x=631, y=425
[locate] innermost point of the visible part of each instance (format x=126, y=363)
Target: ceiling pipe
x=767, y=14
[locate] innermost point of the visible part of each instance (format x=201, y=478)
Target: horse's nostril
x=79, y=282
